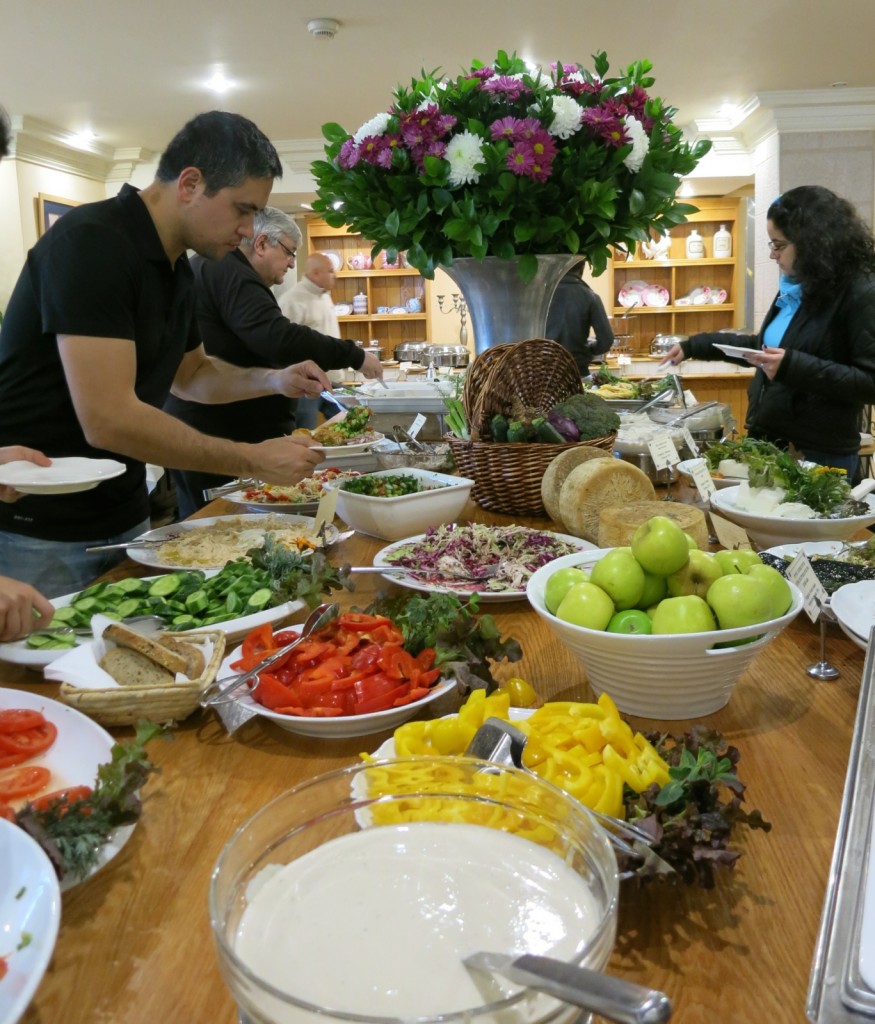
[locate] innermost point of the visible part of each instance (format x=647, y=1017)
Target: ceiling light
x=323, y=28
x=219, y=83
x=83, y=139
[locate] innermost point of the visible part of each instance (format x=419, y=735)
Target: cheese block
x=616, y=525
x=596, y=485
x=555, y=474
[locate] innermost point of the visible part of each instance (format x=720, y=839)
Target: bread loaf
x=596, y=485
x=194, y=659
x=152, y=648
x=555, y=474
x=132, y=668
x=616, y=525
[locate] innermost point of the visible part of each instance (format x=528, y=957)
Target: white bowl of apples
x=655, y=628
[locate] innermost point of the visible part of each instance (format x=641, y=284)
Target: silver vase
x=501, y=306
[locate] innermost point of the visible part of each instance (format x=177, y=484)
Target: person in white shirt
x=308, y=302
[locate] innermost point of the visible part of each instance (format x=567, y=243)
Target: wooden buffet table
x=135, y=943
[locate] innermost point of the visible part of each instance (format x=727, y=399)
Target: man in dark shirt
x=574, y=310
x=101, y=325
x=241, y=322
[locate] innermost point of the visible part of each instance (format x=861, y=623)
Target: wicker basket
x=507, y=477
x=126, y=705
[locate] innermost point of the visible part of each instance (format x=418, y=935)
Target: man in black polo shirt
x=101, y=326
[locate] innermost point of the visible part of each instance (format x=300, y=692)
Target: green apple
x=696, y=576
x=660, y=546
x=560, y=583
x=654, y=590
x=632, y=620
x=620, y=576
x=687, y=614
x=739, y=600
x=691, y=541
x=775, y=586
x=587, y=605
x=739, y=560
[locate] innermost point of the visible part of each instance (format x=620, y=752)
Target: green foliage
x=589, y=201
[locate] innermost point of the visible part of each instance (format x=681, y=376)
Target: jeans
x=846, y=462
x=57, y=568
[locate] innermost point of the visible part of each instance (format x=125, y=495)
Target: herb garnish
x=465, y=642
x=72, y=834
x=296, y=577
x=691, y=817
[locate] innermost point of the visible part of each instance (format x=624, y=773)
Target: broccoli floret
x=593, y=416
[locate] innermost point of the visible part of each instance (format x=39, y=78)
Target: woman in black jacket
x=815, y=352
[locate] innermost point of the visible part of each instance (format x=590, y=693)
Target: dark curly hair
x=832, y=243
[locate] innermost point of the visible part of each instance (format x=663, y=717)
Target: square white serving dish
x=396, y=518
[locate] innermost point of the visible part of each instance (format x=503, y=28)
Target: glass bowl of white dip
x=355, y=896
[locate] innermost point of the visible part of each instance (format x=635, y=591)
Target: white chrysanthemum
x=376, y=126
x=539, y=78
x=464, y=152
x=566, y=117
x=640, y=143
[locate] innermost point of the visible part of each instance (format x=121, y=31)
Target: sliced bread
x=194, y=659
x=151, y=647
x=132, y=668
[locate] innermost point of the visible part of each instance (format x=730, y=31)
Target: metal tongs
x=691, y=412
x=404, y=437
x=500, y=742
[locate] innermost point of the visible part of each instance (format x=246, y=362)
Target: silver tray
x=837, y=991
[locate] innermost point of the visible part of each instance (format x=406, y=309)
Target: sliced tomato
x=284, y=637
x=260, y=642
x=387, y=635
x=30, y=742
x=398, y=663
x=23, y=781
x=68, y=796
x=360, y=623
x=20, y=719
x=270, y=692
x=365, y=658
x=425, y=658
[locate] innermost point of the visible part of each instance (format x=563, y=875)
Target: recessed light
x=81, y=140
x=218, y=82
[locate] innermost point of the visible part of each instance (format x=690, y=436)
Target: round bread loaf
x=616, y=525
x=556, y=473
x=596, y=485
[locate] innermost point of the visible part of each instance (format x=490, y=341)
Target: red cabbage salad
x=456, y=557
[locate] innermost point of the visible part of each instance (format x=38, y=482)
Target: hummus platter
x=210, y=543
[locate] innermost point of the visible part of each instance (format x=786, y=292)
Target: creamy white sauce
x=769, y=501
x=377, y=922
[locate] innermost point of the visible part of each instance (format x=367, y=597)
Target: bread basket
x=507, y=477
x=126, y=705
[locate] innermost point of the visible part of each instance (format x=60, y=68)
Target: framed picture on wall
x=49, y=209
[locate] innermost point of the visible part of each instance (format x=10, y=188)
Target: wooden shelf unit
x=681, y=275
x=383, y=287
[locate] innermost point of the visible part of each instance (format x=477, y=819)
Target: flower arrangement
x=509, y=162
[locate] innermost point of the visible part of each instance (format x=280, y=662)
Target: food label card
x=690, y=442
x=702, y=479
x=325, y=509
x=663, y=451
x=730, y=535
x=417, y=425
x=813, y=592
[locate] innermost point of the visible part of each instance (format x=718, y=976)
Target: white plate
x=343, y=309
x=632, y=294
x=30, y=905
x=64, y=476
x=655, y=295
x=809, y=548
x=73, y=759
x=336, y=450
x=344, y=726
x=460, y=589
x=335, y=258
x=736, y=351
x=854, y=607
x=149, y=555
x=18, y=652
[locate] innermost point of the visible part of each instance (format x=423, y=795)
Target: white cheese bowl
x=765, y=531
x=666, y=676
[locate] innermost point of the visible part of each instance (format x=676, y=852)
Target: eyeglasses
x=289, y=252
x=778, y=246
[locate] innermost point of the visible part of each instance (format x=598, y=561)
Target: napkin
x=80, y=667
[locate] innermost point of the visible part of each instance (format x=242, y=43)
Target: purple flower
x=605, y=124
x=533, y=157
x=420, y=127
x=482, y=73
x=375, y=149
x=509, y=87
x=348, y=155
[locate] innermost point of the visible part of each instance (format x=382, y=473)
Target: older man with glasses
x=241, y=323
